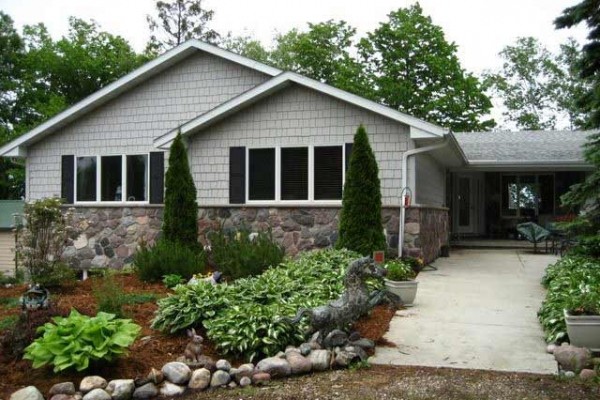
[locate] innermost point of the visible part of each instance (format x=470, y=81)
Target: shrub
x=242, y=317
x=164, y=258
x=361, y=229
x=239, y=253
x=77, y=340
x=181, y=210
x=573, y=283
x=398, y=270
x=109, y=294
x=42, y=241
x=18, y=278
x=588, y=246
x=172, y=280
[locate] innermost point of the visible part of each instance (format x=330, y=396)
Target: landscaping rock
x=336, y=338
x=90, y=383
x=155, y=376
x=275, y=366
x=365, y=344
x=571, y=358
x=587, y=374
x=97, y=394
x=206, y=362
x=223, y=365
x=200, y=379
x=362, y=355
x=177, y=372
x=344, y=358
x=320, y=360
x=354, y=336
x=245, y=381
x=65, y=397
x=261, y=378
x=232, y=385
x=169, y=389
x=305, y=349
x=244, y=370
x=219, y=378
x=291, y=349
x=144, y=392
x=28, y=393
x=569, y=374
x=298, y=363
x=550, y=348
x=63, y=388
x=120, y=389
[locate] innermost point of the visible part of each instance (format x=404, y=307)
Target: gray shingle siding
x=129, y=123
x=430, y=181
x=294, y=116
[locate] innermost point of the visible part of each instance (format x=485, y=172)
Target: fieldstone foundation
x=111, y=235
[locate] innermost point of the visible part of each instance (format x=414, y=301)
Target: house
x=9, y=209
x=267, y=149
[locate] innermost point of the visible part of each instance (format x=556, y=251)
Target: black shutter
x=67, y=189
x=237, y=175
x=328, y=173
x=348, y=154
x=294, y=173
x=157, y=177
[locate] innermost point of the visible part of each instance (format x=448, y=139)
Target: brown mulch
x=151, y=349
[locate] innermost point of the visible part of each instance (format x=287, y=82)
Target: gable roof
x=146, y=71
x=551, y=148
x=419, y=129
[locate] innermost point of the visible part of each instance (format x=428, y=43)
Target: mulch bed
x=151, y=349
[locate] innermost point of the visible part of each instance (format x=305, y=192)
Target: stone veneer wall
x=111, y=235
x=426, y=230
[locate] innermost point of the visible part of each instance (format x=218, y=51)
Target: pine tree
x=361, y=229
x=181, y=210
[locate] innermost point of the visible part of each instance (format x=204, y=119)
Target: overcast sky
x=481, y=28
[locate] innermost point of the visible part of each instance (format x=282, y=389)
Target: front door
x=465, y=207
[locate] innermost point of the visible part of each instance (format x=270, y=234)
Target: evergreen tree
x=361, y=229
x=181, y=210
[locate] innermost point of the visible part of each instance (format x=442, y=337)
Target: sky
x=480, y=28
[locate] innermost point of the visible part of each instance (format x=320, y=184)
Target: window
x=119, y=178
x=296, y=173
x=527, y=195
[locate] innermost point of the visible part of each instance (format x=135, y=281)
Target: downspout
x=405, y=156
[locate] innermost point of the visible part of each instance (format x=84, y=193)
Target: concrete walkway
x=478, y=310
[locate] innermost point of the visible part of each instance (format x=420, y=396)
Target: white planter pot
x=583, y=330
x=406, y=290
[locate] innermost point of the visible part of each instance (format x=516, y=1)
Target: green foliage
x=399, y=270
x=109, y=294
x=178, y=21
x=588, y=246
x=538, y=87
x=164, y=258
x=12, y=280
x=77, y=340
x=180, y=223
x=9, y=302
x=42, y=240
x=7, y=322
x=359, y=365
x=172, y=280
x=408, y=54
x=239, y=253
x=361, y=229
x=241, y=318
x=573, y=283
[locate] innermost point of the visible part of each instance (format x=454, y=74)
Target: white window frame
x=311, y=176
x=123, y=180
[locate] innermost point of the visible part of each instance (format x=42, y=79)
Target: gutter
x=405, y=157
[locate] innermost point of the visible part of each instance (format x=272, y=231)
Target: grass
x=9, y=302
x=139, y=298
x=7, y=322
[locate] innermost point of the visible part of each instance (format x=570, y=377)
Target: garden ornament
x=35, y=298
x=193, y=350
x=354, y=302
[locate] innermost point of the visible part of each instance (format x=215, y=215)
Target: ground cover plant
x=573, y=283
x=167, y=258
x=242, y=318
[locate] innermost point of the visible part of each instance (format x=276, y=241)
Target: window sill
x=113, y=204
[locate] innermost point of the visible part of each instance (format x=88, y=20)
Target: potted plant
x=582, y=317
x=400, y=281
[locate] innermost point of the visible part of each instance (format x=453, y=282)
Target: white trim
x=420, y=128
x=123, y=84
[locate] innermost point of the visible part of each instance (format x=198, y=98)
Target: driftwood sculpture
x=356, y=301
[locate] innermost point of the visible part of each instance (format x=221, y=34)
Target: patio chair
x=533, y=233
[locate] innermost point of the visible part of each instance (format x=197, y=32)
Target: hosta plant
x=77, y=340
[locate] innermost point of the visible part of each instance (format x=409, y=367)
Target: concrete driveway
x=478, y=310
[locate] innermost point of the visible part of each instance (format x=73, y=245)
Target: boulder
x=260, y=378
x=336, y=338
x=276, y=367
x=362, y=355
x=298, y=363
x=223, y=365
x=65, y=397
x=63, y=388
x=120, y=389
x=200, y=379
x=320, y=360
x=206, y=362
x=344, y=358
x=587, y=374
x=244, y=370
x=169, y=389
x=245, y=381
x=90, y=383
x=97, y=394
x=219, y=378
x=177, y=372
x=147, y=391
x=27, y=393
x=155, y=376
x=571, y=358
x=365, y=344
x=305, y=349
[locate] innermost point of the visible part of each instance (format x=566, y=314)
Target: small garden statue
x=35, y=298
x=193, y=350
